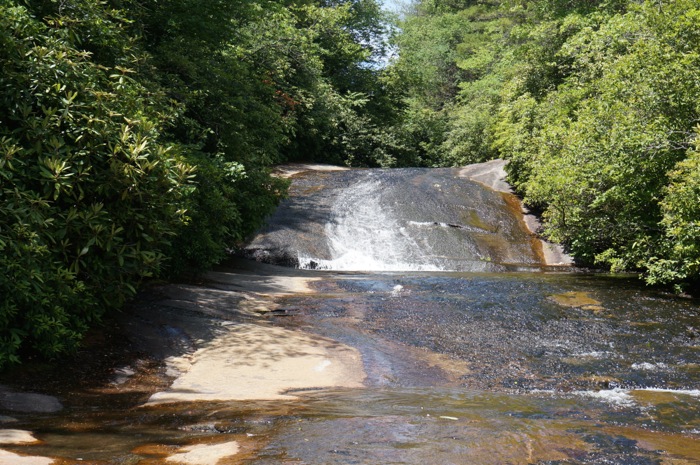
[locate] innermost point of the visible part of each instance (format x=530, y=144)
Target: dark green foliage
x=451, y=67
x=89, y=195
x=678, y=258
x=604, y=140
x=346, y=116
x=137, y=138
x=593, y=103
x=213, y=218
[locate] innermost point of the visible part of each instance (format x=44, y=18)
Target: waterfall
x=364, y=234
x=412, y=219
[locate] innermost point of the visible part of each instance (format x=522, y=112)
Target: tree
x=89, y=194
x=593, y=103
x=137, y=139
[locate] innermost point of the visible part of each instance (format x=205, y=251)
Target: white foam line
x=687, y=392
x=616, y=396
x=646, y=366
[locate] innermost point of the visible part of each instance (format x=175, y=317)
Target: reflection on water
x=449, y=426
x=516, y=334
x=462, y=368
x=407, y=425
x=503, y=368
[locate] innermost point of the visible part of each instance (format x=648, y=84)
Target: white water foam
x=616, y=397
x=432, y=224
x=646, y=366
x=355, y=261
x=619, y=397
x=594, y=354
x=397, y=290
x=363, y=235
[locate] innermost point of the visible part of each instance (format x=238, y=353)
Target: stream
x=477, y=344
x=487, y=368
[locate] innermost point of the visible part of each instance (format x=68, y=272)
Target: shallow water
x=456, y=426
x=503, y=368
x=490, y=366
x=461, y=368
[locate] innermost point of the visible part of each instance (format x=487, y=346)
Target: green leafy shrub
x=678, y=258
x=606, y=138
x=89, y=194
x=225, y=205
x=593, y=103
x=136, y=140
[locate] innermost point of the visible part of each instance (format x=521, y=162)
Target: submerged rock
x=204, y=454
x=28, y=402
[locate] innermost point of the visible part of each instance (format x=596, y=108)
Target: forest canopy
x=137, y=139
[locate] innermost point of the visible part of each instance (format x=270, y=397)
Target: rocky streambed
x=179, y=351
x=516, y=362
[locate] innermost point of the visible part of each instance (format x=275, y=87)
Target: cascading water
x=397, y=220
x=363, y=234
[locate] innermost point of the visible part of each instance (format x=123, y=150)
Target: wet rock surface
x=16, y=436
x=195, y=343
x=493, y=369
x=461, y=368
x=521, y=331
x=399, y=219
x=27, y=402
x=481, y=368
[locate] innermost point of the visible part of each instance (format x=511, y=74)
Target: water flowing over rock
x=262, y=364
x=399, y=220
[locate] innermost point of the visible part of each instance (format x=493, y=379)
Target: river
x=468, y=341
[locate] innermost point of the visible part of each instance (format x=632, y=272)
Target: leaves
x=87, y=200
x=136, y=140
x=593, y=103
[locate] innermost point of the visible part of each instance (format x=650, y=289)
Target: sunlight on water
x=397, y=220
x=357, y=261
x=364, y=235
x=462, y=368
x=473, y=366
x=457, y=426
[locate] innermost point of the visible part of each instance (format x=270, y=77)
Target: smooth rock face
x=259, y=362
x=491, y=174
x=409, y=219
x=16, y=436
x=28, y=402
x=203, y=454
